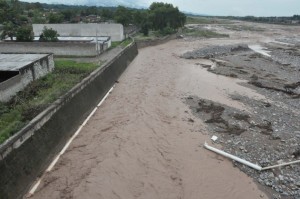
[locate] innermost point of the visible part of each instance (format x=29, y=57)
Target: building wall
x=26, y=75
x=57, y=48
x=115, y=31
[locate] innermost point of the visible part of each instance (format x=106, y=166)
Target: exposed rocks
x=210, y=52
x=270, y=134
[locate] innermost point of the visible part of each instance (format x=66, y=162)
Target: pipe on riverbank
x=245, y=162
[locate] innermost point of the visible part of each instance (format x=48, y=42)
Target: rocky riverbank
x=269, y=132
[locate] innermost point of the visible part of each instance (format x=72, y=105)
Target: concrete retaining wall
x=57, y=48
x=26, y=155
x=26, y=75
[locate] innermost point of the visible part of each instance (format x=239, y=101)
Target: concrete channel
x=25, y=156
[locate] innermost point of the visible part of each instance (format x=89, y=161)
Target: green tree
x=4, y=7
x=92, y=10
x=30, y=14
x=25, y=33
x=106, y=14
x=68, y=14
x=145, y=29
x=9, y=30
x=55, y=18
x=38, y=17
x=139, y=17
x=163, y=15
x=123, y=15
x=10, y=11
x=49, y=35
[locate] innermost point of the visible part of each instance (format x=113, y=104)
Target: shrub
x=49, y=34
x=25, y=33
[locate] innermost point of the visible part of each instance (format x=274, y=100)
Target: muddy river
x=144, y=141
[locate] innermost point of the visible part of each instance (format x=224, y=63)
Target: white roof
x=79, y=39
x=14, y=62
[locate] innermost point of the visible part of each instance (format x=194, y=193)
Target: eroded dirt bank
x=145, y=142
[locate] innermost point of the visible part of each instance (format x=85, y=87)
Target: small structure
x=79, y=40
x=18, y=70
x=114, y=31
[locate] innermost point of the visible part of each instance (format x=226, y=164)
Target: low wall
x=25, y=155
x=57, y=48
x=154, y=42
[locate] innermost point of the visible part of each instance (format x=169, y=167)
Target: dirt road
x=144, y=142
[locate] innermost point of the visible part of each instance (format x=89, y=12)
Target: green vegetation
x=202, y=33
x=152, y=35
x=161, y=17
x=123, y=43
x=55, y=18
x=123, y=15
x=49, y=35
x=164, y=15
x=39, y=94
x=11, y=15
x=295, y=20
x=25, y=33
x=9, y=30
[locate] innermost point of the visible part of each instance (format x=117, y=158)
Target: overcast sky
x=210, y=7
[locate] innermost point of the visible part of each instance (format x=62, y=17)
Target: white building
x=114, y=31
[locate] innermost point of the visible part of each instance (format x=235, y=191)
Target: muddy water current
x=141, y=142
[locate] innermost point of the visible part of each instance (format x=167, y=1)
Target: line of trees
x=274, y=20
x=163, y=17
x=17, y=17
x=15, y=24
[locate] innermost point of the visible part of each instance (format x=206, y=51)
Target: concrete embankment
x=24, y=156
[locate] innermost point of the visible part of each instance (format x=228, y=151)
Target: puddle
x=259, y=49
x=215, y=87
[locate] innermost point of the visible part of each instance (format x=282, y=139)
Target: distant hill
x=103, y=4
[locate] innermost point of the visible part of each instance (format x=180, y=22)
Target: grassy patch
x=39, y=94
x=141, y=37
x=152, y=35
x=202, y=33
x=206, y=20
x=123, y=43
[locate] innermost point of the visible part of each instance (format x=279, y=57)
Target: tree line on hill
x=295, y=19
x=17, y=17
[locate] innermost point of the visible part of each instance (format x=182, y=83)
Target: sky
x=209, y=7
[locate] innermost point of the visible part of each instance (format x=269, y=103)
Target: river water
x=141, y=144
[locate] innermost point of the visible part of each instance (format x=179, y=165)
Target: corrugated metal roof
x=14, y=62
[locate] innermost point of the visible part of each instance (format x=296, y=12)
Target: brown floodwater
x=140, y=143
